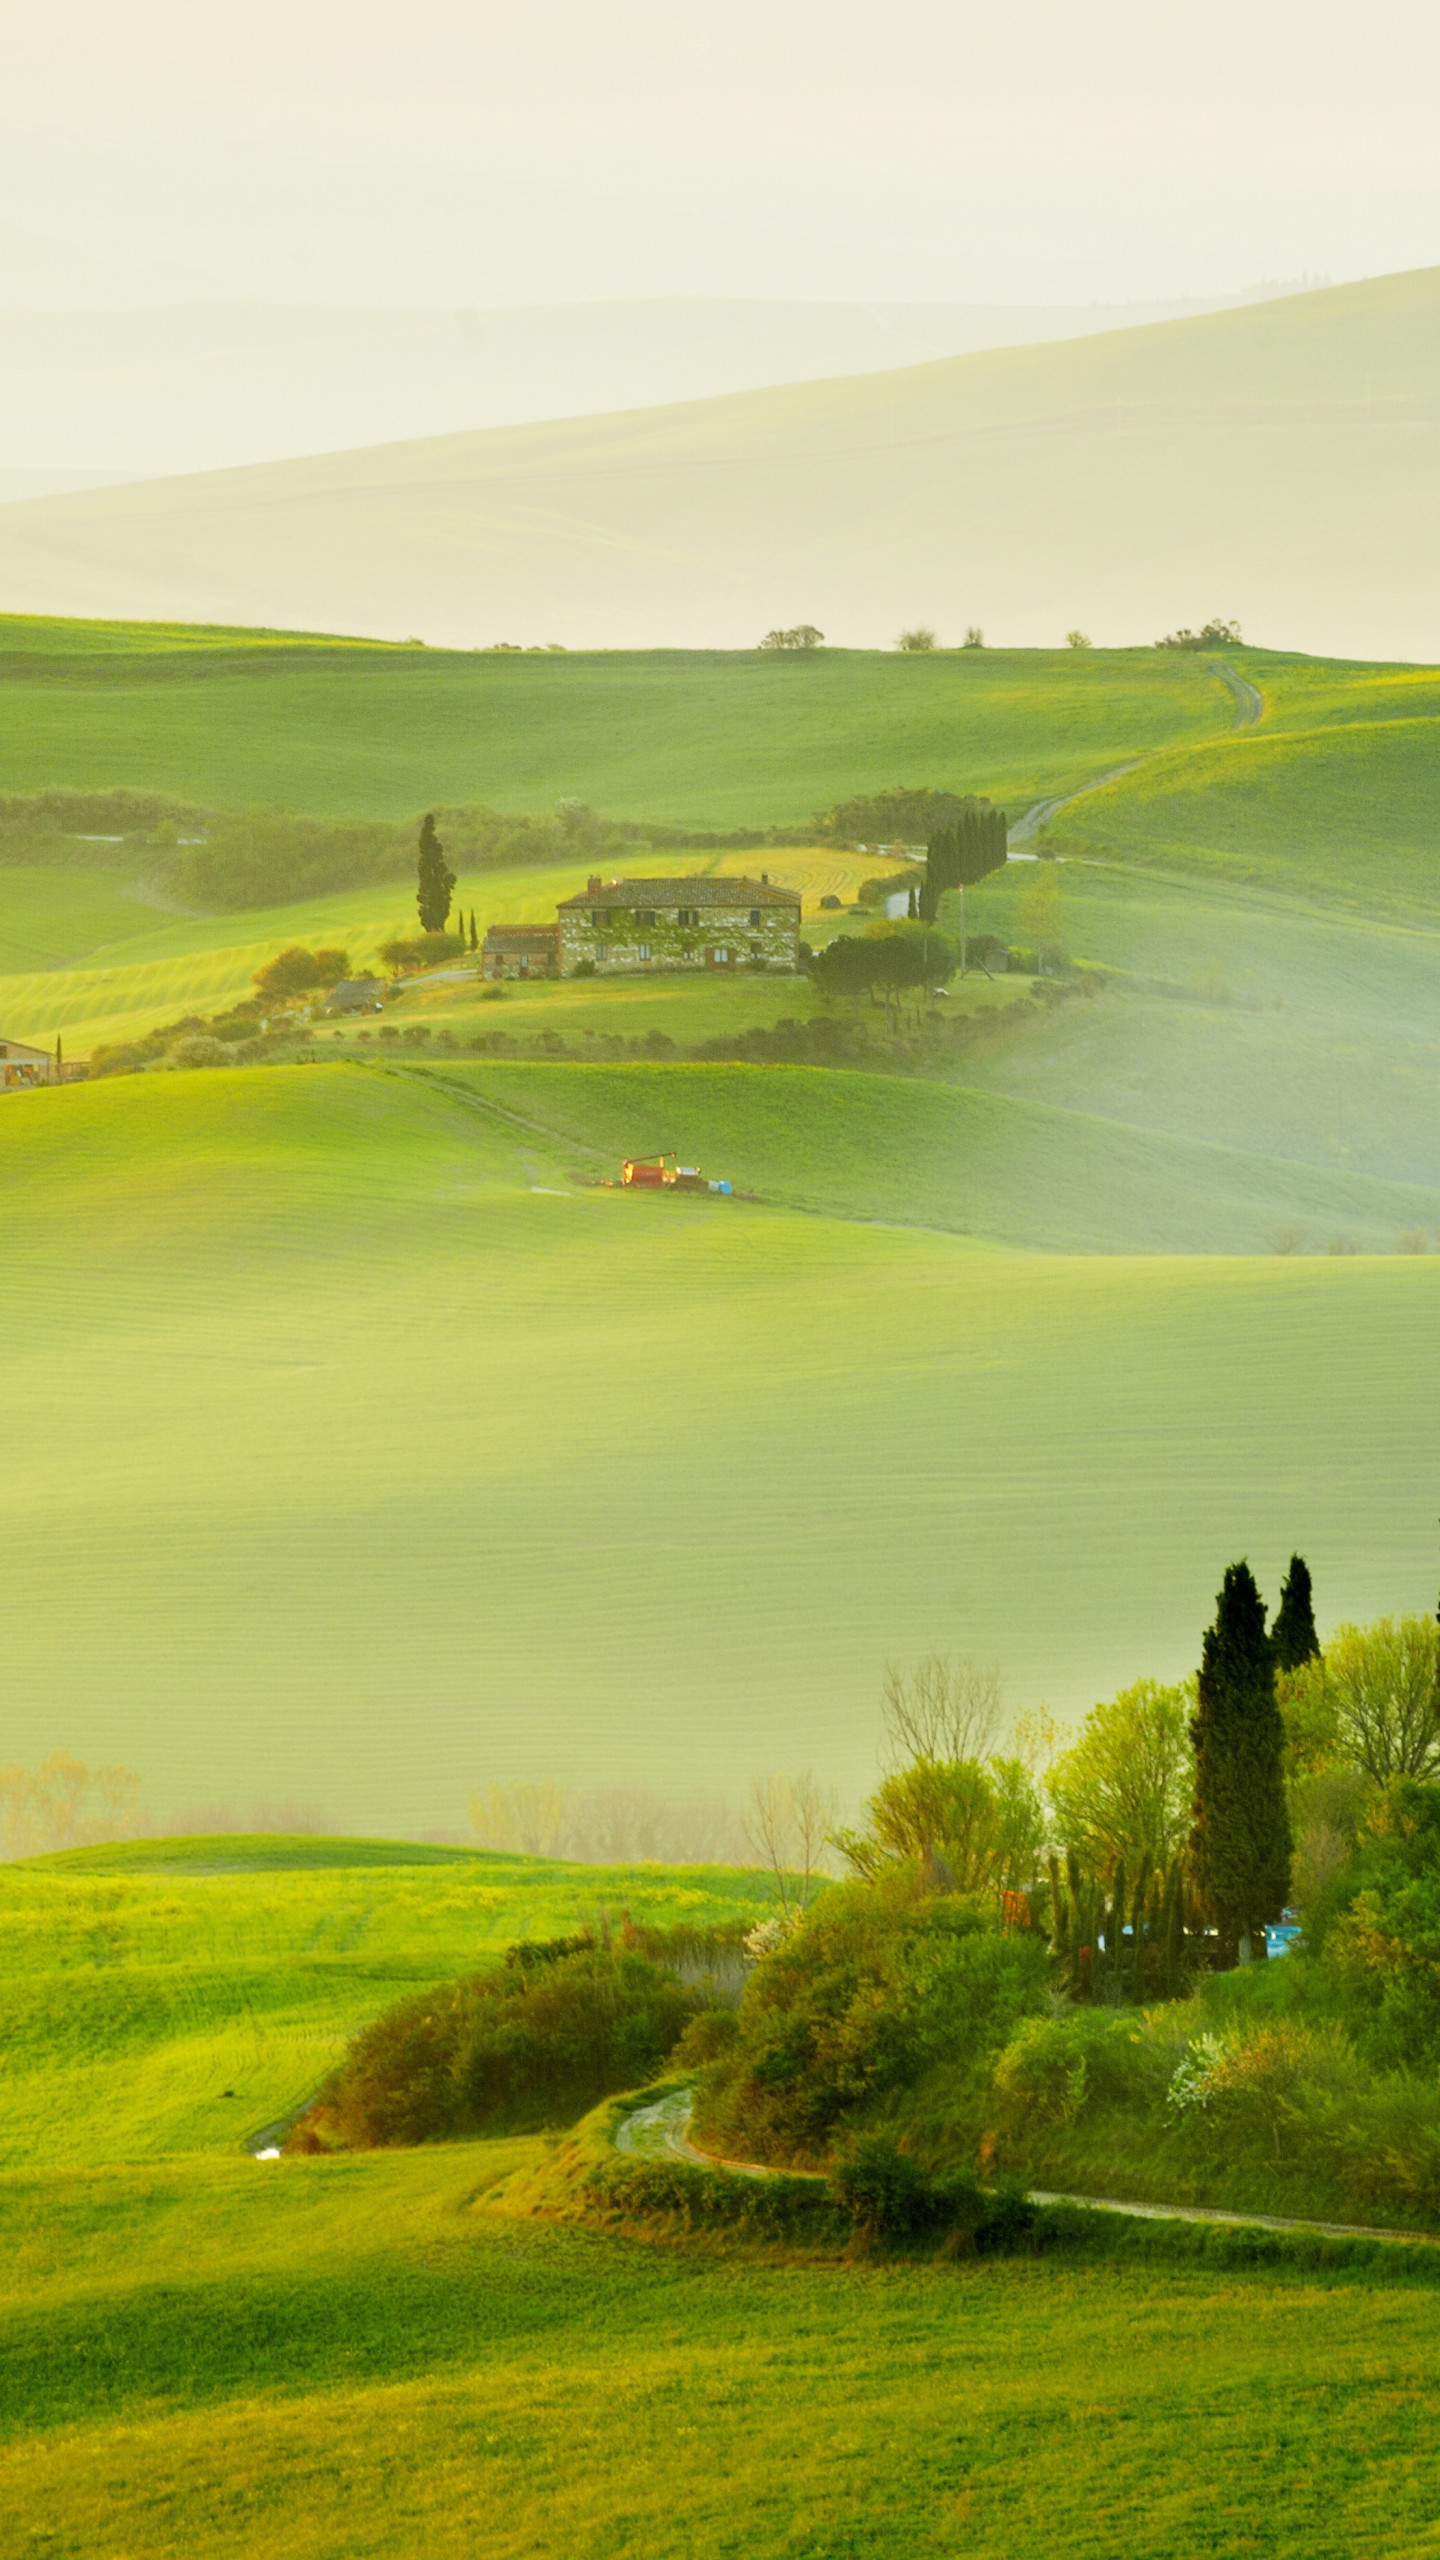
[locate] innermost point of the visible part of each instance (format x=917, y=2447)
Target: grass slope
x=980, y=1164
x=710, y=738
x=362, y=2356
x=370, y=1461
x=1344, y=814
x=1028, y=488
x=178, y=1996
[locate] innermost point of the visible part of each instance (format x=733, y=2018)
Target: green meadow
x=376, y=2354
x=181, y=1996
x=712, y=738
x=373, y=1455
x=371, y=1450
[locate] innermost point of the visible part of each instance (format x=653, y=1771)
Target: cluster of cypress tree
x=435, y=879
x=966, y=849
x=1241, y=1845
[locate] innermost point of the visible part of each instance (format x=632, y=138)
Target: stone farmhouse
x=620, y=926
x=711, y=923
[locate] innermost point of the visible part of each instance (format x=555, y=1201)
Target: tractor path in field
x=1249, y=708
x=662, y=2131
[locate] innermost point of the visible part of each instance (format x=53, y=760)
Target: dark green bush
x=707, y=2037
x=882, y=2189
x=535, y=2043
x=884, y=1984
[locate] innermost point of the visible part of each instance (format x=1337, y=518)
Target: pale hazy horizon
x=450, y=155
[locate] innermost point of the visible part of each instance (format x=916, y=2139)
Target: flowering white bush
x=767, y=1935
x=1196, y=2076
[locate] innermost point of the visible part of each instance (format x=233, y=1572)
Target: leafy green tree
x=917, y=641
x=968, y=1826
x=904, y=815
x=1240, y=1841
x=436, y=880
x=1122, y=1792
x=297, y=972
x=1293, y=1634
x=1381, y=1686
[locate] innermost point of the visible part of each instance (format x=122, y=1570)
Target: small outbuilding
x=521, y=951
x=356, y=995
x=21, y=1067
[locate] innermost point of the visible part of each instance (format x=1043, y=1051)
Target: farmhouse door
x=721, y=957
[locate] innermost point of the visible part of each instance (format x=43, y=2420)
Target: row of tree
x=1175, y=1808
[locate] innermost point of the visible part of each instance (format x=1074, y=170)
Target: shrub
x=199, y=1049
x=883, y=2189
x=410, y=952
x=297, y=972
x=708, y=2036
x=1053, y=2068
x=534, y=2043
x=881, y=1984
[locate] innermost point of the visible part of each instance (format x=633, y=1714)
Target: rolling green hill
x=244, y=719
x=371, y=1459
x=1344, y=813
x=366, y=2356
x=387, y=2355
x=180, y=1995
x=1274, y=463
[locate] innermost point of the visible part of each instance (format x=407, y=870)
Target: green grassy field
x=711, y=738
x=358, y=2357
x=1343, y=813
x=180, y=1996
x=372, y=2354
x=371, y=1459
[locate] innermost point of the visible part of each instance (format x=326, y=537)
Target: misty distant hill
x=196, y=385
x=1277, y=463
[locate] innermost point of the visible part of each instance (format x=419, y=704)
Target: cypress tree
x=435, y=879
x=1293, y=1634
x=474, y=936
x=1241, y=1836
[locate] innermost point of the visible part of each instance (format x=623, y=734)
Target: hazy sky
x=1030, y=149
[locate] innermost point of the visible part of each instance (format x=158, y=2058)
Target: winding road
x=1249, y=704
x=662, y=2131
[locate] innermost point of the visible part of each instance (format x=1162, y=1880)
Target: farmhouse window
x=754, y=915
x=594, y=917
x=644, y=950
x=645, y=915
x=602, y=950
x=687, y=915
x=755, y=951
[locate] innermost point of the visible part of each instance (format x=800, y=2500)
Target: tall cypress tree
x=1293, y=1634
x=435, y=879
x=1241, y=1836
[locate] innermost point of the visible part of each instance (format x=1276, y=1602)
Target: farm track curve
x=1249, y=710
x=662, y=2129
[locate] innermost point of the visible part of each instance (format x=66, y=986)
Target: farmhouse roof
x=518, y=937
x=352, y=994
x=709, y=891
x=23, y=1050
